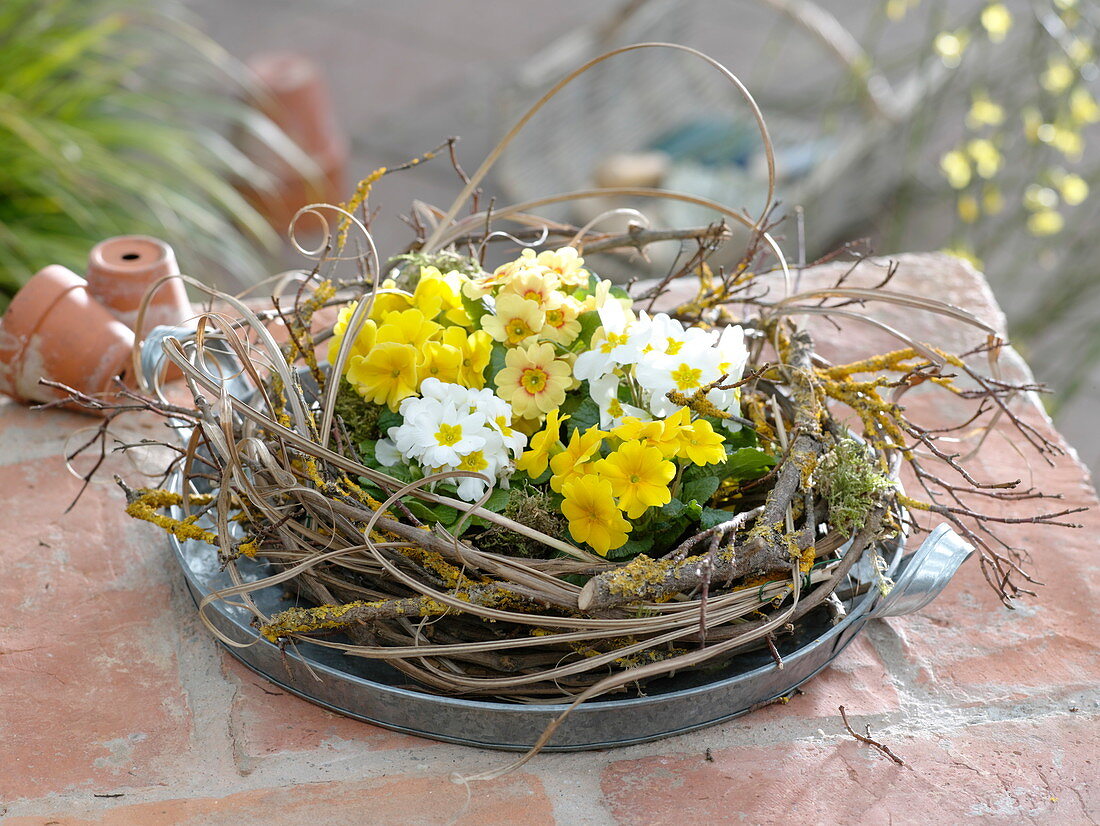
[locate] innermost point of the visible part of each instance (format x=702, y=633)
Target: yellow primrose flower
x=566, y=264
x=437, y=294
x=574, y=460
x=533, y=381
x=475, y=349
x=408, y=327
x=388, y=300
x=441, y=361
x=701, y=445
x=562, y=326
x=589, y=505
x=639, y=477
x=385, y=375
x=363, y=342
x=652, y=434
x=486, y=284
x=536, y=458
x=540, y=287
x=516, y=319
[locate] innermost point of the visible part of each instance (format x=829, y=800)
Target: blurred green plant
x=113, y=117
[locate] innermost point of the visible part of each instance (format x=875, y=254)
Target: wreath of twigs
x=275, y=474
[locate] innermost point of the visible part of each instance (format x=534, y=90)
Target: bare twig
x=866, y=739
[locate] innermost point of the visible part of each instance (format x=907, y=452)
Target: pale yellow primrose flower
x=566, y=264
x=516, y=319
x=534, y=382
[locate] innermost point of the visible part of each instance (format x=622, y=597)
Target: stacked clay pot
x=80, y=332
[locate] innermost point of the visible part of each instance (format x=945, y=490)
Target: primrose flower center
x=613, y=341
x=673, y=347
x=475, y=461
x=533, y=380
x=449, y=435
x=686, y=376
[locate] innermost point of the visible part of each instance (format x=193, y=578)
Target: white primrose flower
x=491, y=461
x=451, y=427
x=386, y=452
x=612, y=344
x=733, y=352
x=667, y=335
x=498, y=414
x=446, y=440
x=691, y=360
x=692, y=368
x=605, y=392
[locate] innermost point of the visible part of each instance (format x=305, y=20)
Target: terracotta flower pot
x=296, y=97
x=122, y=269
x=55, y=329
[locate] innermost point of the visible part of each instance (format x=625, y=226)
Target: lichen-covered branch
x=794, y=474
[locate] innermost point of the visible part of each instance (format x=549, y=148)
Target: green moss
x=409, y=265
x=531, y=507
x=360, y=417
x=851, y=483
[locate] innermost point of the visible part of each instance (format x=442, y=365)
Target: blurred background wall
x=964, y=125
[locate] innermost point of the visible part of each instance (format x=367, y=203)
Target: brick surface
x=858, y=679
x=266, y=721
x=91, y=692
x=1006, y=773
x=406, y=800
x=110, y=685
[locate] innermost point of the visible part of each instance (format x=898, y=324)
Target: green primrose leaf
x=748, y=463
x=632, y=548
x=672, y=509
x=586, y=415
x=700, y=489
x=714, y=516
x=589, y=321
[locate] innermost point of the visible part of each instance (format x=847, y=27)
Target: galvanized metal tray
x=372, y=691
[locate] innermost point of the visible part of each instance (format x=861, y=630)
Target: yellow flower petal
x=639, y=477
x=534, y=381
x=589, y=505
x=386, y=375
